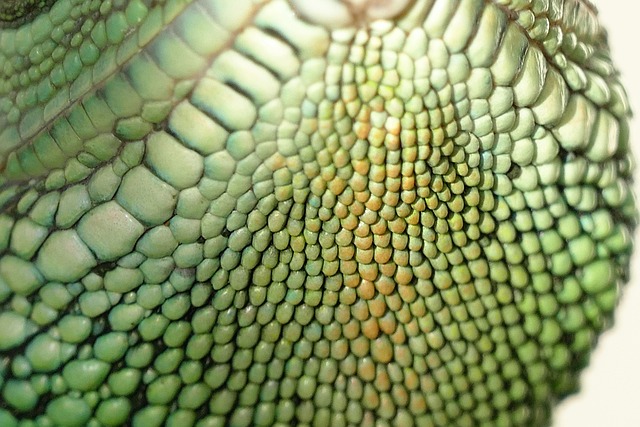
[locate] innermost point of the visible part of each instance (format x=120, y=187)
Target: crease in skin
x=12, y=137
x=423, y=219
x=12, y=11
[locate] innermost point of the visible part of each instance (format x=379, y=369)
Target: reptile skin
x=322, y=213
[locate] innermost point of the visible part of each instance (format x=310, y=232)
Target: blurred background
x=610, y=394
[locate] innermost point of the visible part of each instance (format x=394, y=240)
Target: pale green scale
x=178, y=166
x=139, y=186
x=71, y=269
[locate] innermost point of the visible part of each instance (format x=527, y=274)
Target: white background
x=610, y=395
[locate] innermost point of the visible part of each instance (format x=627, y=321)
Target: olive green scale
x=328, y=213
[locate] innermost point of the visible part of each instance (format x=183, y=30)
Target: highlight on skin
x=343, y=13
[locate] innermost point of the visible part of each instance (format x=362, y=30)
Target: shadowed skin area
x=270, y=212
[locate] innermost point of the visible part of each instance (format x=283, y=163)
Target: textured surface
x=239, y=216
x=608, y=385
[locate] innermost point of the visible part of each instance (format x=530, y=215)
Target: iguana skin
x=306, y=213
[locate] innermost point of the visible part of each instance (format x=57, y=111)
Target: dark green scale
x=331, y=213
x=16, y=10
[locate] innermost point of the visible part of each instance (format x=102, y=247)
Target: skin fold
x=270, y=212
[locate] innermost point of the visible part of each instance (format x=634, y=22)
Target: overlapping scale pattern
x=243, y=217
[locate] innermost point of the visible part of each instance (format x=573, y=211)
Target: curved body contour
x=305, y=213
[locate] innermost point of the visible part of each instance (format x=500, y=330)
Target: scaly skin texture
x=317, y=213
